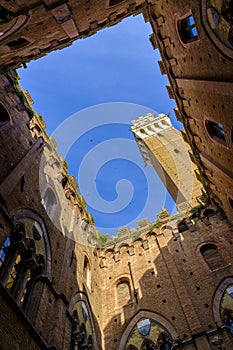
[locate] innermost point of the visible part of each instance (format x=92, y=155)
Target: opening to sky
x=110, y=78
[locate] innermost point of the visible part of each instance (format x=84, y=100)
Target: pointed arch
x=217, y=299
x=151, y=315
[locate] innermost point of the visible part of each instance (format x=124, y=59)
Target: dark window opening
x=231, y=202
x=227, y=10
x=18, y=43
x=230, y=35
x=4, y=116
x=209, y=212
x=182, y=226
x=216, y=131
x=5, y=15
x=187, y=29
x=212, y=257
x=115, y=2
x=64, y=181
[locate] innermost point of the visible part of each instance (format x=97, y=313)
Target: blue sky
x=98, y=85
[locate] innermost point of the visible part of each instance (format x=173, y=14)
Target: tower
x=163, y=147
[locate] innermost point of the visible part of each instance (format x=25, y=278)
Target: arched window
x=123, y=293
x=182, y=226
x=87, y=272
x=212, y=257
x=82, y=336
x=227, y=307
x=148, y=333
x=50, y=202
x=187, y=29
x=4, y=116
x=216, y=131
x=22, y=259
x=209, y=212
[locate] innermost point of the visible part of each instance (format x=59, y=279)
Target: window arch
x=147, y=330
x=123, y=292
x=23, y=258
x=182, y=226
x=87, y=272
x=216, y=131
x=211, y=256
x=4, y=115
x=187, y=29
x=82, y=335
x=80, y=309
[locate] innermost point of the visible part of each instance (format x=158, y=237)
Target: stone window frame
x=151, y=315
x=118, y=281
x=25, y=213
x=180, y=29
x=81, y=296
x=222, y=47
x=217, y=299
x=21, y=20
x=204, y=247
x=214, y=130
x=22, y=262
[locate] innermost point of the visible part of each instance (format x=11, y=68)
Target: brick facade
x=177, y=276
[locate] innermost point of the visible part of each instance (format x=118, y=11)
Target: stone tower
x=163, y=147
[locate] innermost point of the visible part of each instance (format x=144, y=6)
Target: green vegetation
x=157, y=224
x=136, y=234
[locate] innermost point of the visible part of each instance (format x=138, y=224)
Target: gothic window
x=4, y=116
x=82, y=336
x=18, y=43
x=216, y=131
x=211, y=256
x=87, y=272
x=114, y=2
x=123, y=292
x=187, y=29
x=22, y=258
